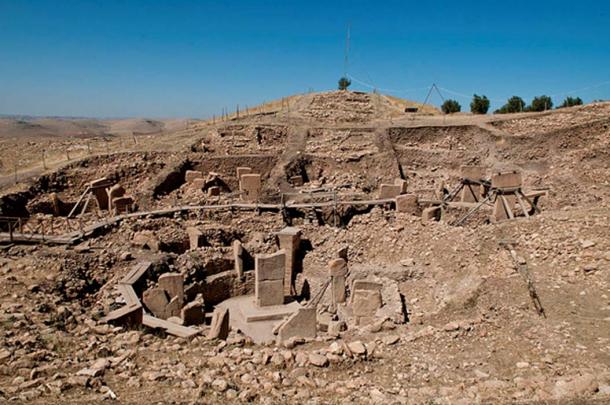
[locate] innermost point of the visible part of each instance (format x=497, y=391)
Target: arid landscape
x=323, y=248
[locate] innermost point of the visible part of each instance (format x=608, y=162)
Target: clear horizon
x=191, y=59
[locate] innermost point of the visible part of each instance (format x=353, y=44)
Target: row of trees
x=480, y=105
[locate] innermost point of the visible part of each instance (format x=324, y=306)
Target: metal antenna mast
x=349, y=25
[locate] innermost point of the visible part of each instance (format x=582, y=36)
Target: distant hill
x=25, y=126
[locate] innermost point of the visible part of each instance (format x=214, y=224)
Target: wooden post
x=44, y=162
x=10, y=230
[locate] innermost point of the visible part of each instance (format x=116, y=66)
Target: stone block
x=99, y=189
x=297, y=181
x=191, y=175
x=389, y=191
x=173, y=308
x=290, y=241
x=342, y=252
x=270, y=292
x=57, y=204
x=243, y=170
x=196, y=238
x=113, y=192
x=122, y=205
x=366, y=302
x=219, y=328
x=473, y=172
x=128, y=315
x=146, y=239
x=407, y=203
x=197, y=184
x=192, y=314
x=102, y=182
x=176, y=320
x=214, y=191
x=403, y=185
x=337, y=285
x=301, y=324
x=430, y=214
x=156, y=300
x=506, y=180
x=238, y=256
x=250, y=187
x=173, y=283
x=337, y=267
x=366, y=285
x=270, y=266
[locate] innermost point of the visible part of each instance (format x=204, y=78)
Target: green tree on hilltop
x=344, y=83
x=479, y=105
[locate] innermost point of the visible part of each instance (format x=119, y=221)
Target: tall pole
x=349, y=25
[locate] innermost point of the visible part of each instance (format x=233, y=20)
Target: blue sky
x=192, y=58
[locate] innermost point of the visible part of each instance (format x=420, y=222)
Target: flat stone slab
x=171, y=328
x=265, y=319
x=272, y=313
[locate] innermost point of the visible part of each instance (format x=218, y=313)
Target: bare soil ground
x=472, y=334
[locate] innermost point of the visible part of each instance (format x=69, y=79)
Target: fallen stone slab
x=136, y=272
x=171, y=328
x=130, y=315
x=300, y=324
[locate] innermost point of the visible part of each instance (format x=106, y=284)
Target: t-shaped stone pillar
x=337, y=269
x=269, y=279
x=290, y=240
x=250, y=187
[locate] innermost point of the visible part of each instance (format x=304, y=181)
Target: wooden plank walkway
x=75, y=236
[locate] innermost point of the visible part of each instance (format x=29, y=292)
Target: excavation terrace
x=328, y=248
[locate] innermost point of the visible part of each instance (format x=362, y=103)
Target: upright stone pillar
x=196, y=238
x=269, y=279
x=290, y=240
x=173, y=283
x=238, y=255
x=337, y=269
x=98, y=188
x=250, y=187
x=115, y=191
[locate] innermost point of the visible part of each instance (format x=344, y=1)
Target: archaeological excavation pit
x=270, y=253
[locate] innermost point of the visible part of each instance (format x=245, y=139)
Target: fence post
x=44, y=162
x=10, y=230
